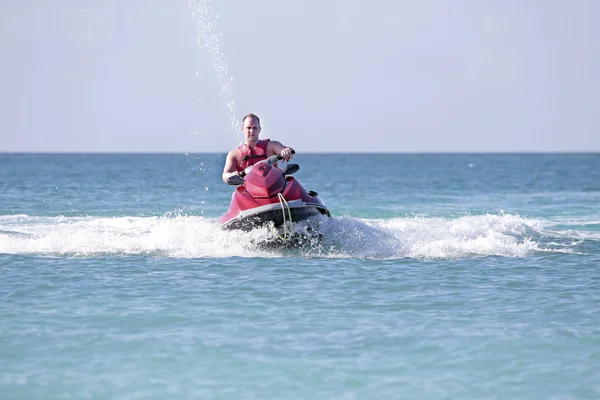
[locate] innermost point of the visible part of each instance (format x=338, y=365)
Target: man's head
x=251, y=128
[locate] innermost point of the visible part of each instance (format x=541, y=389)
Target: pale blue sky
x=326, y=76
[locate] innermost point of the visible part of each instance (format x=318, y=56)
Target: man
x=253, y=150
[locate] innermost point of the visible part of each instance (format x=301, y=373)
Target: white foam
x=195, y=237
x=577, y=227
x=180, y=236
x=468, y=236
x=417, y=237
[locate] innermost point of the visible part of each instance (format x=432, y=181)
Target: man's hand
x=287, y=153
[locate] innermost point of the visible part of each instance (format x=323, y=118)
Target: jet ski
x=266, y=194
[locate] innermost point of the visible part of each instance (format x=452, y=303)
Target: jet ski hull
x=275, y=214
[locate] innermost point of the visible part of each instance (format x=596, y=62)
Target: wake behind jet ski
x=266, y=194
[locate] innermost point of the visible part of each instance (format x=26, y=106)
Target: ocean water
x=438, y=277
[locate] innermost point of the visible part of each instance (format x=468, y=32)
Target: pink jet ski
x=266, y=194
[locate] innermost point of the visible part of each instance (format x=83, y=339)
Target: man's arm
x=278, y=148
x=230, y=168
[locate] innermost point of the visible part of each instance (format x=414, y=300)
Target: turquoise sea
x=440, y=276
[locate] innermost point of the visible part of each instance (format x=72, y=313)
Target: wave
x=340, y=237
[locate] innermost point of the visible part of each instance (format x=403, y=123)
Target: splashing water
x=195, y=236
x=208, y=40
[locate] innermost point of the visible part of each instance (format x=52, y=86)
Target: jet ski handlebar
x=271, y=160
x=277, y=157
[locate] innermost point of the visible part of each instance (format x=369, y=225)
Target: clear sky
x=323, y=75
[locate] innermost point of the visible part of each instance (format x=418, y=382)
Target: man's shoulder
x=272, y=143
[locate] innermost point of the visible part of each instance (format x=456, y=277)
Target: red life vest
x=248, y=156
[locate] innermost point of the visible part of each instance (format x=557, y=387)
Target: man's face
x=251, y=129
